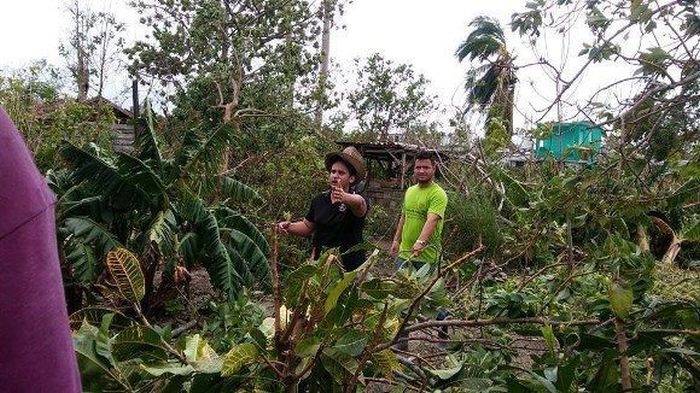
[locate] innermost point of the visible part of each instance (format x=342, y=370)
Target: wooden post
x=403, y=170
x=135, y=98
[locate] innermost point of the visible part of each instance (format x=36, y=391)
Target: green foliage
x=471, y=218
x=237, y=357
x=620, y=300
x=389, y=98
x=564, y=244
x=491, y=83
x=146, y=201
x=32, y=99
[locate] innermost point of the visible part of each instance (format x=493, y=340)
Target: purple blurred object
x=35, y=337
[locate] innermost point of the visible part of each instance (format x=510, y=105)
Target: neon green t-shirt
x=417, y=203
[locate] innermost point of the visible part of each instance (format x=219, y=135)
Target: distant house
x=123, y=133
x=576, y=142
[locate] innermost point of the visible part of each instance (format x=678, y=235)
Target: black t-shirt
x=336, y=226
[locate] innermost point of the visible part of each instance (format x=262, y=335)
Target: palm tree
x=492, y=83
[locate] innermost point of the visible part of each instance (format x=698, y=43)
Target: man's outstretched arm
x=426, y=233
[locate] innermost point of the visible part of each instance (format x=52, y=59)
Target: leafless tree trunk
x=82, y=73
x=325, y=57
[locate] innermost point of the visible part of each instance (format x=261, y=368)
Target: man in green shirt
x=419, y=232
x=418, y=235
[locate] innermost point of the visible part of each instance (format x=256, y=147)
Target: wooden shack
x=123, y=132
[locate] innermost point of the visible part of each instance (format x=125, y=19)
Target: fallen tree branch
x=499, y=321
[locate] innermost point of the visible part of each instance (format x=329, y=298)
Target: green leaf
x=82, y=258
x=340, y=365
x=147, y=141
x=378, y=288
x=173, y=368
x=139, y=342
x=239, y=356
x=228, y=218
x=620, y=300
x=307, y=347
x=447, y=373
x=201, y=355
x=91, y=232
x=387, y=362
x=191, y=347
x=566, y=375
x=682, y=351
x=635, y=8
x=549, y=338
x=216, y=258
x=295, y=280
x=126, y=272
x=515, y=192
x=685, y=192
x=337, y=290
x=238, y=192
x=95, y=367
x=543, y=382
x=352, y=342
x=160, y=230
x=206, y=151
x=254, y=257
x=94, y=314
x=128, y=183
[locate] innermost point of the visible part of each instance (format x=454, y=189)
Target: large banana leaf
x=160, y=231
x=189, y=248
x=82, y=258
x=118, y=183
x=90, y=232
x=241, y=266
x=213, y=251
x=254, y=257
x=228, y=218
x=147, y=142
x=204, y=150
x=236, y=191
x=140, y=174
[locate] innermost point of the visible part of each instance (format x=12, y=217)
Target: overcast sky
x=419, y=32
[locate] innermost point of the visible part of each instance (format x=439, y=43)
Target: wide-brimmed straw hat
x=349, y=156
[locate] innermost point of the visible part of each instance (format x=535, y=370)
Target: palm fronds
x=485, y=41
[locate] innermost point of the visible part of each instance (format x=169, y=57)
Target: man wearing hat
x=337, y=216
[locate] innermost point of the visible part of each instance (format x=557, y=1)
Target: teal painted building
x=571, y=142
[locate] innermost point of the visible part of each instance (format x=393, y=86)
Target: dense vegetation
x=558, y=278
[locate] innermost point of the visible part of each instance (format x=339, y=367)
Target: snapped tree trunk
x=672, y=251
x=621, y=338
x=642, y=239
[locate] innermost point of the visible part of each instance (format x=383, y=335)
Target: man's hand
x=283, y=227
x=394, y=250
x=337, y=194
x=418, y=247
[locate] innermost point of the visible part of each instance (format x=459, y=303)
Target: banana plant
x=171, y=211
